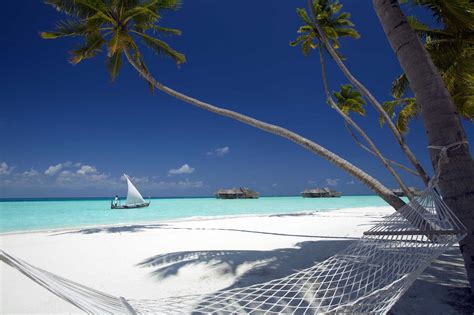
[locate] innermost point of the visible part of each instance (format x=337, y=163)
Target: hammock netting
x=369, y=276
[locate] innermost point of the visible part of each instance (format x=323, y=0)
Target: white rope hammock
x=367, y=277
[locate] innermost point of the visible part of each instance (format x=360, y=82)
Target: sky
x=68, y=131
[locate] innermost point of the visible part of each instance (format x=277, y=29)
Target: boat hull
x=143, y=205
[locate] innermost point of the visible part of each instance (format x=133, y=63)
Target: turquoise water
x=47, y=214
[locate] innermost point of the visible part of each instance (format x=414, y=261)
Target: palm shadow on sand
x=267, y=265
x=443, y=281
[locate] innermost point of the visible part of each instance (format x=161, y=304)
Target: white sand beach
x=203, y=256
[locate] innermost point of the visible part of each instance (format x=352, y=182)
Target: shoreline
x=20, y=199
x=182, y=220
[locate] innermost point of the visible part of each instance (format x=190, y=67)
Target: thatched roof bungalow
x=236, y=193
x=398, y=192
x=320, y=193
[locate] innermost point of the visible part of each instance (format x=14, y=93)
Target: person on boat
x=116, y=200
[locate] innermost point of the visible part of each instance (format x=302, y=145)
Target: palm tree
x=451, y=50
x=337, y=25
x=318, y=22
x=442, y=124
x=350, y=100
x=118, y=24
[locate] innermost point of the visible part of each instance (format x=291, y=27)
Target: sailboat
x=134, y=198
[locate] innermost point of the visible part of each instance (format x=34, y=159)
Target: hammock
x=367, y=277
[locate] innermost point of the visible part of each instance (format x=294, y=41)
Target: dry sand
x=203, y=256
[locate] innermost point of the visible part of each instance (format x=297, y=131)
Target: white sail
x=133, y=196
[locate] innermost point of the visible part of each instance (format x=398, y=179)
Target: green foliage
x=408, y=111
x=350, y=100
x=327, y=14
x=451, y=48
x=116, y=25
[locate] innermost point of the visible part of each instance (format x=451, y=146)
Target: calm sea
x=28, y=215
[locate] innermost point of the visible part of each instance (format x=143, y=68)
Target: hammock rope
x=369, y=276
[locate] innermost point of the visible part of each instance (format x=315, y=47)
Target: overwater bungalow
x=398, y=192
x=320, y=193
x=236, y=193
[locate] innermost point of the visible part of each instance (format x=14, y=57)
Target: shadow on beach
x=267, y=265
x=441, y=289
x=443, y=285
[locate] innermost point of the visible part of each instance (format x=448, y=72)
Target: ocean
x=40, y=214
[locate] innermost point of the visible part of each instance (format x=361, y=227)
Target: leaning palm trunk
x=348, y=120
x=441, y=122
x=379, y=108
x=362, y=176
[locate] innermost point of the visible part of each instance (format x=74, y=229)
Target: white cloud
x=86, y=169
x=31, y=173
x=78, y=164
x=351, y=182
x=275, y=185
x=332, y=181
x=311, y=181
x=5, y=169
x=219, y=151
x=184, y=169
x=53, y=169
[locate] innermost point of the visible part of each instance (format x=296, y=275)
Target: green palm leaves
x=349, y=100
x=408, y=111
x=327, y=14
x=452, y=50
x=116, y=25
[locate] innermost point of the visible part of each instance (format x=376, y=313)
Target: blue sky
x=68, y=131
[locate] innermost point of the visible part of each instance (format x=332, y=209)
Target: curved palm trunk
x=352, y=123
x=363, y=177
x=440, y=119
x=364, y=147
x=378, y=107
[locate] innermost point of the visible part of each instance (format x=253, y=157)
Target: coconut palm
x=350, y=100
x=442, y=124
x=336, y=25
x=117, y=26
x=451, y=50
x=318, y=20
x=121, y=27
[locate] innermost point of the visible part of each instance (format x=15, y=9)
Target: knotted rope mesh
x=369, y=276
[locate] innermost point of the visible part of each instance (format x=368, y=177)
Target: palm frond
x=408, y=111
x=161, y=48
x=113, y=64
x=166, y=30
x=72, y=7
x=67, y=28
x=304, y=15
x=400, y=86
x=349, y=100
x=90, y=49
x=144, y=12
